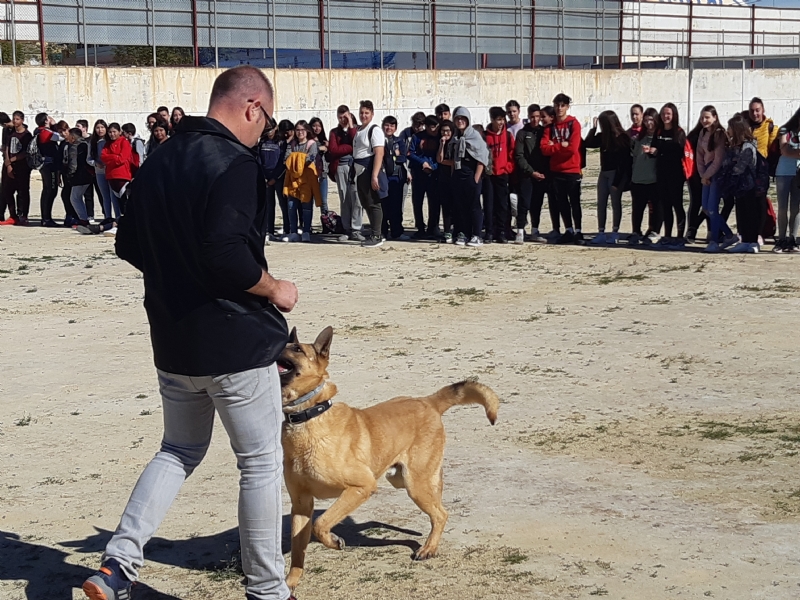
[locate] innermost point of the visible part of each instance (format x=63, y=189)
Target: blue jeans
x=76, y=199
x=323, y=190
x=711, y=200
x=110, y=200
x=249, y=406
x=307, y=208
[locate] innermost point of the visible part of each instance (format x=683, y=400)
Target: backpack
x=331, y=223
x=269, y=157
x=770, y=223
x=35, y=158
x=136, y=159
x=688, y=159
x=773, y=152
x=761, y=175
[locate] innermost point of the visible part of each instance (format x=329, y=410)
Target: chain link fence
x=414, y=34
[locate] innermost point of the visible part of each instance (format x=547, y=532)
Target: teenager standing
x=788, y=185
x=422, y=160
x=394, y=161
x=47, y=142
x=637, y=121
x=97, y=142
x=444, y=178
x=301, y=203
x=497, y=211
x=470, y=156
x=318, y=133
x=643, y=173
x=534, y=171
x=340, y=155
x=16, y=181
x=371, y=184
x=668, y=145
x=739, y=176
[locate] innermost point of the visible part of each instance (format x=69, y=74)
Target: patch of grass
x=145, y=413
x=514, y=557
x=672, y=268
x=753, y=456
x=24, y=421
x=51, y=481
x=368, y=578
x=599, y=591
x=620, y=276
x=141, y=396
x=399, y=575
x=316, y=570
x=31, y=290
x=530, y=319
x=22, y=268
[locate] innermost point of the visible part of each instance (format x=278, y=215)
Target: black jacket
x=76, y=170
x=528, y=153
x=195, y=226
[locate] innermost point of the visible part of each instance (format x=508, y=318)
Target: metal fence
x=422, y=34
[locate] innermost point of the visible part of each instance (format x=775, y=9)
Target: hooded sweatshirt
x=501, y=145
x=563, y=159
x=467, y=143
x=764, y=134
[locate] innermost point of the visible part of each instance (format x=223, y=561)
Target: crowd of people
x=481, y=185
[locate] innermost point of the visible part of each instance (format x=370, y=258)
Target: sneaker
x=712, y=248
x=781, y=246
x=634, y=239
x=537, y=237
x=729, y=241
x=49, y=223
x=793, y=247
x=501, y=239
x=760, y=241
x=22, y=222
x=110, y=232
x=553, y=234
x=475, y=242
x=461, y=240
x=741, y=247
x=677, y=244
x=9, y=221
x=357, y=237
x=598, y=240
x=612, y=238
x=520, y=239
x=285, y=238
x=754, y=248
x=421, y=234
x=306, y=237
x=70, y=221
x=109, y=583
x=402, y=238
x=487, y=240
x=89, y=229
x=652, y=238
x=294, y=237
x=373, y=242
x=566, y=238
x=92, y=221
x=691, y=236
x=448, y=238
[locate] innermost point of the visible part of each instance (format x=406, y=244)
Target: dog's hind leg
x=424, y=486
x=351, y=499
x=302, y=513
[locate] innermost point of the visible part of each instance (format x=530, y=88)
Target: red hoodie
x=501, y=145
x=116, y=156
x=340, y=145
x=563, y=160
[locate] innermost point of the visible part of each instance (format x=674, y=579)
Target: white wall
x=129, y=94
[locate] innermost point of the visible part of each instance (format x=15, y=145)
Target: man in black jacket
x=533, y=169
x=195, y=226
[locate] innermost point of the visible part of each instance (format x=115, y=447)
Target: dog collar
x=309, y=413
x=308, y=396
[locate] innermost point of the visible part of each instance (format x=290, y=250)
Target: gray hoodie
x=469, y=142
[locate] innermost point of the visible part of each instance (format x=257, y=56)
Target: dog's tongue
x=282, y=370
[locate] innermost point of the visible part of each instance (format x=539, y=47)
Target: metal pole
x=321, y=9
x=433, y=35
x=691, y=28
x=561, y=45
x=13, y=35
x=690, y=95
x=194, y=34
x=328, y=35
x=83, y=23
x=380, y=29
x=639, y=38
x=603, y=36
x=521, y=29
x=40, y=18
x=743, y=96
x=533, y=34
x=153, y=30
x=95, y=54
x=274, y=40
x=216, y=45
x=474, y=13
x=752, y=34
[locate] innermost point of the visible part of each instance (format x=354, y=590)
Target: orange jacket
x=302, y=180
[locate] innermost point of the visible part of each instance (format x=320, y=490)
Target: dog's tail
x=467, y=392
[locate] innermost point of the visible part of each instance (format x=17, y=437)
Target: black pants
x=424, y=184
x=552, y=205
x=392, y=227
x=696, y=215
x=88, y=200
x=444, y=189
x=498, y=212
x=49, y=191
x=69, y=210
x=750, y=208
x=669, y=199
x=530, y=200
x=467, y=214
x=641, y=195
x=567, y=188
x=19, y=186
x=370, y=202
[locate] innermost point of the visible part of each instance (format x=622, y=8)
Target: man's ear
x=293, y=336
x=323, y=342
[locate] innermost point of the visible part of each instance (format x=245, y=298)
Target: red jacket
x=501, y=145
x=116, y=156
x=340, y=144
x=562, y=160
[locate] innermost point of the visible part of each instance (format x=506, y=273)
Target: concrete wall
x=129, y=94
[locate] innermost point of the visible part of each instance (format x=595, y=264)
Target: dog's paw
x=332, y=541
x=425, y=553
x=293, y=578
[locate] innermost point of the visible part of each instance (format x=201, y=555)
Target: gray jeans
x=76, y=199
x=352, y=214
x=249, y=406
x=788, y=206
x=604, y=190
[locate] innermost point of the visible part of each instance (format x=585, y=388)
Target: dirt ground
x=647, y=445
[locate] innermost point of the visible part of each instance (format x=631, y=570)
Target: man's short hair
x=367, y=104
x=76, y=131
x=162, y=109
x=4, y=118
x=41, y=119
x=129, y=128
x=497, y=112
x=511, y=103
x=442, y=108
x=239, y=81
x=639, y=106
x=83, y=122
x=534, y=108
x=390, y=120
x=562, y=99
x=431, y=120
x=418, y=119
x=756, y=100
x=18, y=113
x=343, y=109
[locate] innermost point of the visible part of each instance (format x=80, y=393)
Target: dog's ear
x=323, y=342
x=293, y=336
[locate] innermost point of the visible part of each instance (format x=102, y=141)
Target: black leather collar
x=308, y=414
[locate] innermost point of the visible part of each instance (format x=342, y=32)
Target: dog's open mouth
x=284, y=367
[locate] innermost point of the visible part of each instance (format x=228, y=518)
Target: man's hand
x=537, y=175
x=285, y=295
x=271, y=182
x=565, y=144
x=375, y=184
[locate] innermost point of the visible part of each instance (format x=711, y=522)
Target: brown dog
x=335, y=451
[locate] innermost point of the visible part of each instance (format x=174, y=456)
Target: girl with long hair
x=615, y=154
x=787, y=184
x=668, y=147
x=116, y=157
x=708, y=159
x=301, y=142
x=643, y=172
x=739, y=178
x=97, y=142
x=548, y=115
x=177, y=115
x=319, y=136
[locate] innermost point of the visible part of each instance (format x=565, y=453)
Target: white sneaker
x=110, y=232
x=92, y=222
x=712, y=248
x=754, y=248
x=306, y=237
x=294, y=237
x=729, y=241
x=284, y=238
x=652, y=238
x=742, y=247
x=299, y=231
x=612, y=238
x=760, y=241
x=461, y=240
x=475, y=242
x=520, y=236
x=598, y=240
